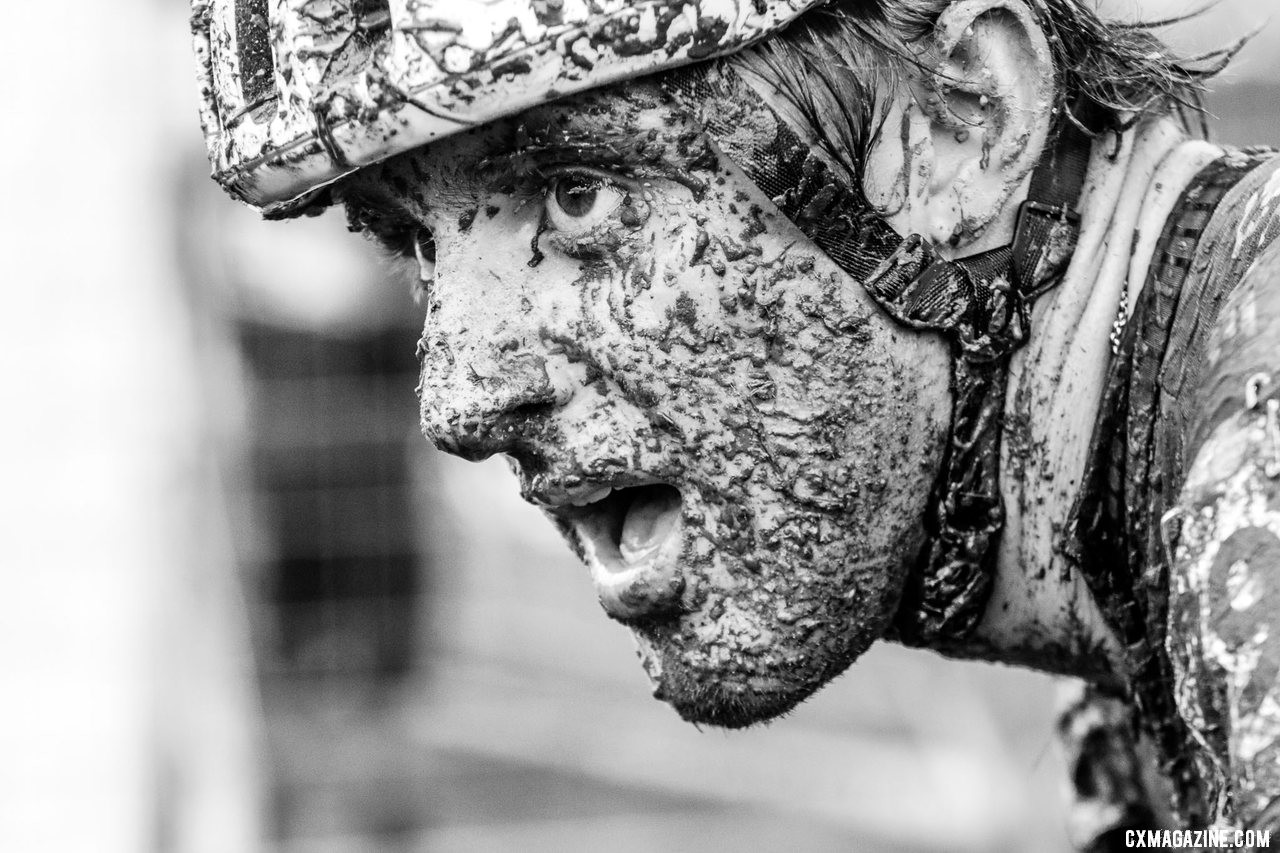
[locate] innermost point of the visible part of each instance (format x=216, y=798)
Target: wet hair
x=841, y=54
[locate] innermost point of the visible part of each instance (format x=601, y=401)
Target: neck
x=1041, y=613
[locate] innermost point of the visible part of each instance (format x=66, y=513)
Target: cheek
x=686, y=300
x=492, y=278
x=673, y=283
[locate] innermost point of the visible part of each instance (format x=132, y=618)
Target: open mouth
x=629, y=537
x=626, y=529
x=630, y=540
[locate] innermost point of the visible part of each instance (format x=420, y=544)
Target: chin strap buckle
x=919, y=289
x=1043, y=243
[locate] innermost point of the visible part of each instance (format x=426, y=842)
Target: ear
x=973, y=128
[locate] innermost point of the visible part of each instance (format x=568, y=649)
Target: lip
x=565, y=495
x=629, y=530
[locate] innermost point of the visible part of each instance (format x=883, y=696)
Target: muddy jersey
x=1178, y=528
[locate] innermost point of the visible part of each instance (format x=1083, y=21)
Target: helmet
x=298, y=93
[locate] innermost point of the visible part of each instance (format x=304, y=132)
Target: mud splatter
x=1224, y=630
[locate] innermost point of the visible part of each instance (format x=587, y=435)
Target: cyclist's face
x=724, y=427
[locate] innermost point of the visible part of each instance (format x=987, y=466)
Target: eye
x=576, y=202
x=424, y=250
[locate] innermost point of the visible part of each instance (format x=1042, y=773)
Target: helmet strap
x=980, y=304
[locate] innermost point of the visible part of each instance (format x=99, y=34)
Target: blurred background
x=246, y=608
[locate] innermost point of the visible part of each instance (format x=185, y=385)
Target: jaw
x=752, y=650
x=720, y=699
x=740, y=613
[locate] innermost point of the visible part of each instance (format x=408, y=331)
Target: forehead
x=627, y=126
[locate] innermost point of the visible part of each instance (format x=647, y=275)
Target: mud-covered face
x=724, y=427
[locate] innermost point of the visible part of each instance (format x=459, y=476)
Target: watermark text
x=1197, y=839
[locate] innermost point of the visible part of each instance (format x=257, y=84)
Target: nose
x=483, y=404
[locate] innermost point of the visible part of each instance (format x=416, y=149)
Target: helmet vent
x=253, y=45
x=372, y=15
x=361, y=34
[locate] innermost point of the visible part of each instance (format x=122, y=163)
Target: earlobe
x=983, y=113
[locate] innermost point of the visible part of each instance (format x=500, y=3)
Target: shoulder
x=1232, y=331
x=1224, y=607
x=1226, y=323
x=1224, y=615
x=1241, y=354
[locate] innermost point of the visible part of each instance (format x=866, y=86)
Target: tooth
x=650, y=519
